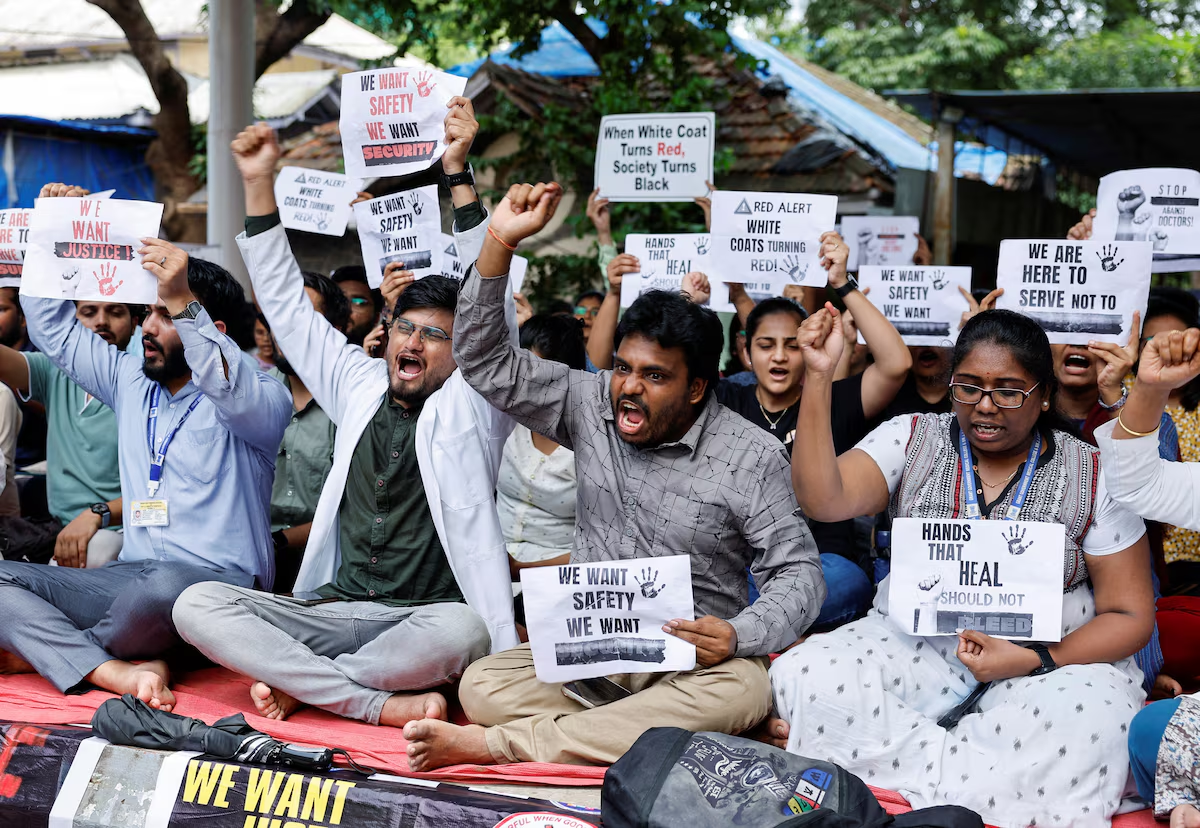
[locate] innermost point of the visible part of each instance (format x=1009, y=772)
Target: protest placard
x=452, y=266
x=655, y=156
x=14, y=238
x=922, y=303
x=401, y=227
x=1076, y=290
x=1001, y=577
x=393, y=119
x=665, y=259
x=599, y=619
x=516, y=273
x=315, y=201
x=880, y=240
x=771, y=237
x=85, y=248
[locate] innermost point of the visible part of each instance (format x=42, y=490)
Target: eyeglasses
x=1001, y=397
x=428, y=334
x=359, y=301
x=580, y=310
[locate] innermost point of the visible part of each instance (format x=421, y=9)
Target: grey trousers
x=67, y=622
x=347, y=657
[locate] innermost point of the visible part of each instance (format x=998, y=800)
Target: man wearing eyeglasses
x=405, y=575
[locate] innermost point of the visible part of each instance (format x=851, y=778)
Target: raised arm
x=604, y=326
x=884, y=377
x=829, y=488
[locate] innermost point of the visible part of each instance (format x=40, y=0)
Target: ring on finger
x=162, y=262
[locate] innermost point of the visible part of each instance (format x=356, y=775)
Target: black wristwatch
x=190, y=312
x=105, y=514
x=1048, y=665
x=467, y=176
x=846, y=289
x=280, y=540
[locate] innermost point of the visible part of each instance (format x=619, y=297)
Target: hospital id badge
x=149, y=513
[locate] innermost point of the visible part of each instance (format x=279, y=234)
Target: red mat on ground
x=215, y=693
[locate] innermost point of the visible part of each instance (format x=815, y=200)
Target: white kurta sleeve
x=1145, y=484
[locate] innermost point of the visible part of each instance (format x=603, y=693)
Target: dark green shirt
x=303, y=462
x=390, y=549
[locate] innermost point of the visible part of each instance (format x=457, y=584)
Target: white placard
x=1001, y=577
x=1160, y=206
x=665, y=259
x=922, y=303
x=14, y=238
x=880, y=240
x=1077, y=291
x=393, y=119
x=84, y=248
x=771, y=237
x=516, y=273
x=655, y=156
x=452, y=266
x=401, y=227
x=600, y=619
x=315, y=201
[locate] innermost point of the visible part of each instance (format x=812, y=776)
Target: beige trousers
x=529, y=721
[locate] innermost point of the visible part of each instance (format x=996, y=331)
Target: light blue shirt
x=220, y=466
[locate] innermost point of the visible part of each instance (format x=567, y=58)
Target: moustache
x=636, y=400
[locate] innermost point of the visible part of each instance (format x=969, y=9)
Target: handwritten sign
x=600, y=619
x=84, y=248
x=880, y=240
x=771, y=237
x=315, y=201
x=922, y=303
x=14, y=238
x=655, y=156
x=401, y=227
x=1076, y=290
x=393, y=119
x=665, y=259
x=1001, y=577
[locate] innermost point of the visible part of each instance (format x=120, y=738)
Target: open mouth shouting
x=409, y=367
x=928, y=357
x=631, y=417
x=1076, y=363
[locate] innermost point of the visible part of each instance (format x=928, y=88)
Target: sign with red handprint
x=392, y=119
x=1157, y=205
x=86, y=248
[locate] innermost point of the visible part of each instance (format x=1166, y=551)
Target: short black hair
x=432, y=292
x=558, y=306
x=15, y=295
x=357, y=273
x=218, y=292
x=137, y=313
x=556, y=338
x=588, y=294
x=335, y=307
x=674, y=322
x=1171, y=301
x=776, y=304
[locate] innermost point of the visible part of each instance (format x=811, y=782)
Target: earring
x=1045, y=405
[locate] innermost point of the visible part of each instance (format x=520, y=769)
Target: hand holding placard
x=168, y=264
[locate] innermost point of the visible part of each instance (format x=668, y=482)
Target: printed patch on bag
x=728, y=776
x=571, y=806
x=810, y=793
x=542, y=819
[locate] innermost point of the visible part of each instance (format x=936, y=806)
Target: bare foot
x=1184, y=816
x=147, y=681
x=273, y=703
x=436, y=744
x=12, y=664
x=402, y=708
x=770, y=731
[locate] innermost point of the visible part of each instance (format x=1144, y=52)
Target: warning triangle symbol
x=743, y=209
x=452, y=250
x=300, y=179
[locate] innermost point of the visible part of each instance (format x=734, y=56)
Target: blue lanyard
x=968, y=475
x=158, y=460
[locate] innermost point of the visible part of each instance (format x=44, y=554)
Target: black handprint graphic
x=1107, y=256
x=1015, y=536
x=791, y=266
x=702, y=244
x=647, y=581
x=424, y=87
x=418, y=206
x=939, y=279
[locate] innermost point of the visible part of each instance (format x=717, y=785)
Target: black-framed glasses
x=428, y=334
x=359, y=301
x=966, y=394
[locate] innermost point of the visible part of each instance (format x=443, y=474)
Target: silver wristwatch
x=190, y=312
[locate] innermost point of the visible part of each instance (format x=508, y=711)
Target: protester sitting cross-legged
x=535, y=494
x=213, y=425
x=1048, y=741
x=662, y=469
x=405, y=577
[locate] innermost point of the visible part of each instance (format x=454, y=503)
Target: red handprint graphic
x=424, y=87
x=104, y=279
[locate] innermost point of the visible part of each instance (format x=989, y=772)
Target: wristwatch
x=467, y=176
x=190, y=312
x=846, y=289
x=1119, y=403
x=279, y=539
x=1048, y=665
x=104, y=512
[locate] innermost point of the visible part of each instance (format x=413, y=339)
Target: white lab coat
x=460, y=437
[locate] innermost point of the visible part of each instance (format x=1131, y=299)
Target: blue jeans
x=1145, y=735
x=849, y=591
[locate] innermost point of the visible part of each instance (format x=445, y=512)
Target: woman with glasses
x=1043, y=749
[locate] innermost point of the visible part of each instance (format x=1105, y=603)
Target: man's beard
x=667, y=422
x=173, y=366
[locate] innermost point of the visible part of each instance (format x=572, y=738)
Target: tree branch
x=277, y=34
x=592, y=43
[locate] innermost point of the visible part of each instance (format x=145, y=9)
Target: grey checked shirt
x=721, y=494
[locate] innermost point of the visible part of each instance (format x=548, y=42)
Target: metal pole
x=231, y=108
x=943, y=199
